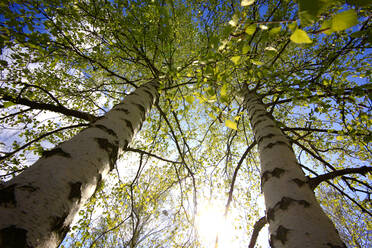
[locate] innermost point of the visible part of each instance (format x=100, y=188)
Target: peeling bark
x=7, y=197
x=13, y=237
x=294, y=215
x=38, y=206
x=56, y=151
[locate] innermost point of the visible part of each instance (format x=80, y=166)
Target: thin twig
x=152, y=155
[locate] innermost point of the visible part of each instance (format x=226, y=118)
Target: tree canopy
x=64, y=64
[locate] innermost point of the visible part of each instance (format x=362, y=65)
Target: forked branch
x=314, y=182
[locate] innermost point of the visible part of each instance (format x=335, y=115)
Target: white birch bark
x=295, y=217
x=37, y=206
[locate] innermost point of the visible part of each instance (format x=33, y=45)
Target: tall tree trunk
x=38, y=206
x=295, y=217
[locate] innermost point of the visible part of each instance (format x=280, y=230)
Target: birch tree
x=39, y=205
x=289, y=208
x=274, y=147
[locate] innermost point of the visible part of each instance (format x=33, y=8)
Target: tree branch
x=314, y=182
x=178, y=85
x=152, y=155
x=256, y=230
x=249, y=148
x=41, y=88
x=107, y=231
x=320, y=159
x=9, y=154
x=182, y=157
x=16, y=113
x=50, y=107
x=341, y=192
x=351, y=199
x=319, y=130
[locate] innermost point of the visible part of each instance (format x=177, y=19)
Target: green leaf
x=344, y=20
x=271, y=49
x=299, y=36
x=256, y=62
x=246, y=2
x=8, y=104
x=309, y=10
x=223, y=93
x=246, y=49
x=210, y=91
x=224, y=90
x=225, y=99
x=189, y=99
x=235, y=59
x=231, y=124
x=250, y=29
x=275, y=30
x=234, y=20
x=326, y=26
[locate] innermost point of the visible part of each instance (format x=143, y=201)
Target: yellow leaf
x=212, y=98
x=224, y=90
x=189, y=99
x=231, y=124
x=250, y=29
x=235, y=59
x=246, y=2
x=344, y=20
x=326, y=26
x=202, y=99
x=246, y=49
x=299, y=36
x=211, y=115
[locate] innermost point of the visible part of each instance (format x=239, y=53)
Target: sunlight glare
x=210, y=221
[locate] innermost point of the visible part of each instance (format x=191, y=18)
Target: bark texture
x=38, y=206
x=295, y=217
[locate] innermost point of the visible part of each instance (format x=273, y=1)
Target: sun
x=210, y=221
